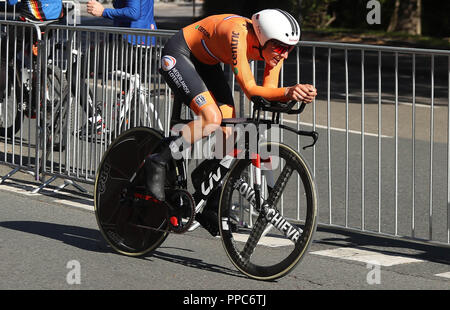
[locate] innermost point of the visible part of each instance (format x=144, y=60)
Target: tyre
x=256, y=247
x=131, y=227
x=10, y=111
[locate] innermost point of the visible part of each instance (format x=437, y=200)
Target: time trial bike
x=267, y=198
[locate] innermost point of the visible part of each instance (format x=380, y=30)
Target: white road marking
x=367, y=256
x=421, y=105
x=335, y=128
x=266, y=241
x=444, y=275
x=25, y=190
x=86, y=205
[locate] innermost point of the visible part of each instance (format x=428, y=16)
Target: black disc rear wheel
x=131, y=224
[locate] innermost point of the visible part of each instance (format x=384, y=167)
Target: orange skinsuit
x=230, y=39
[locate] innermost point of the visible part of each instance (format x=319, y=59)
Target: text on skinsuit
x=276, y=219
x=178, y=80
x=234, y=46
x=200, y=100
x=204, y=31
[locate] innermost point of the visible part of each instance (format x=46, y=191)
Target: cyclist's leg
x=182, y=76
x=189, y=79
x=209, y=118
x=217, y=84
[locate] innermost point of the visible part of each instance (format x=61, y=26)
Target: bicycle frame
x=136, y=87
x=253, y=194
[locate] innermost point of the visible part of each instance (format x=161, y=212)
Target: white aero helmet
x=276, y=24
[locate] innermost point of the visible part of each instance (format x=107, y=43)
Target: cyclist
x=39, y=10
x=191, y=66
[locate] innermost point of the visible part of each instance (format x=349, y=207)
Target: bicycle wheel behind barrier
x=132, y=227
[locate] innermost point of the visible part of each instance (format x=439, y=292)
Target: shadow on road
x=80, y=237
x=386, y=246
x=195, y=263
x=92, y=240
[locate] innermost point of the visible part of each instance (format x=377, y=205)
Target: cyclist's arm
x=131, y=11
x=246, y=80
x=272, y=75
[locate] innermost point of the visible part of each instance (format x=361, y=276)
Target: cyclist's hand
x=301, y=92
x=95, y=8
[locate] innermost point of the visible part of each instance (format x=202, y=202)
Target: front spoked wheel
x=10, y=110
x=57, y=116
x=131, y=224
x=268, y=243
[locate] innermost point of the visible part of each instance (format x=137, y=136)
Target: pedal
x=181, y=210
x=174, y=221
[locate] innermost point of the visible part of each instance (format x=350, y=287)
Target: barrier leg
x=53, y=178
x=7, y=176
x=70, y=182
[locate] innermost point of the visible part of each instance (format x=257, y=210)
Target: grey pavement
x=42, y=235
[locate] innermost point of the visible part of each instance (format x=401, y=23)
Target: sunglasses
x=281, y=48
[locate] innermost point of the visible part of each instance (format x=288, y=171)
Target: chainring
x=181, y=210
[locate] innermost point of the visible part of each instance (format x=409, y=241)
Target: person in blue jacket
x=130, y=14
x=40, y=10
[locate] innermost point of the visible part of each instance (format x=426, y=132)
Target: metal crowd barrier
x=382, y=162
x=71, y=11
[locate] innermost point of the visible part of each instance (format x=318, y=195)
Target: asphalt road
x=41, y=234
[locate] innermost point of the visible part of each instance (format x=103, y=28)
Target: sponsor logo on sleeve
x=234, y=46
x=200, y=100
x=203, y=30
x=168, y=62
